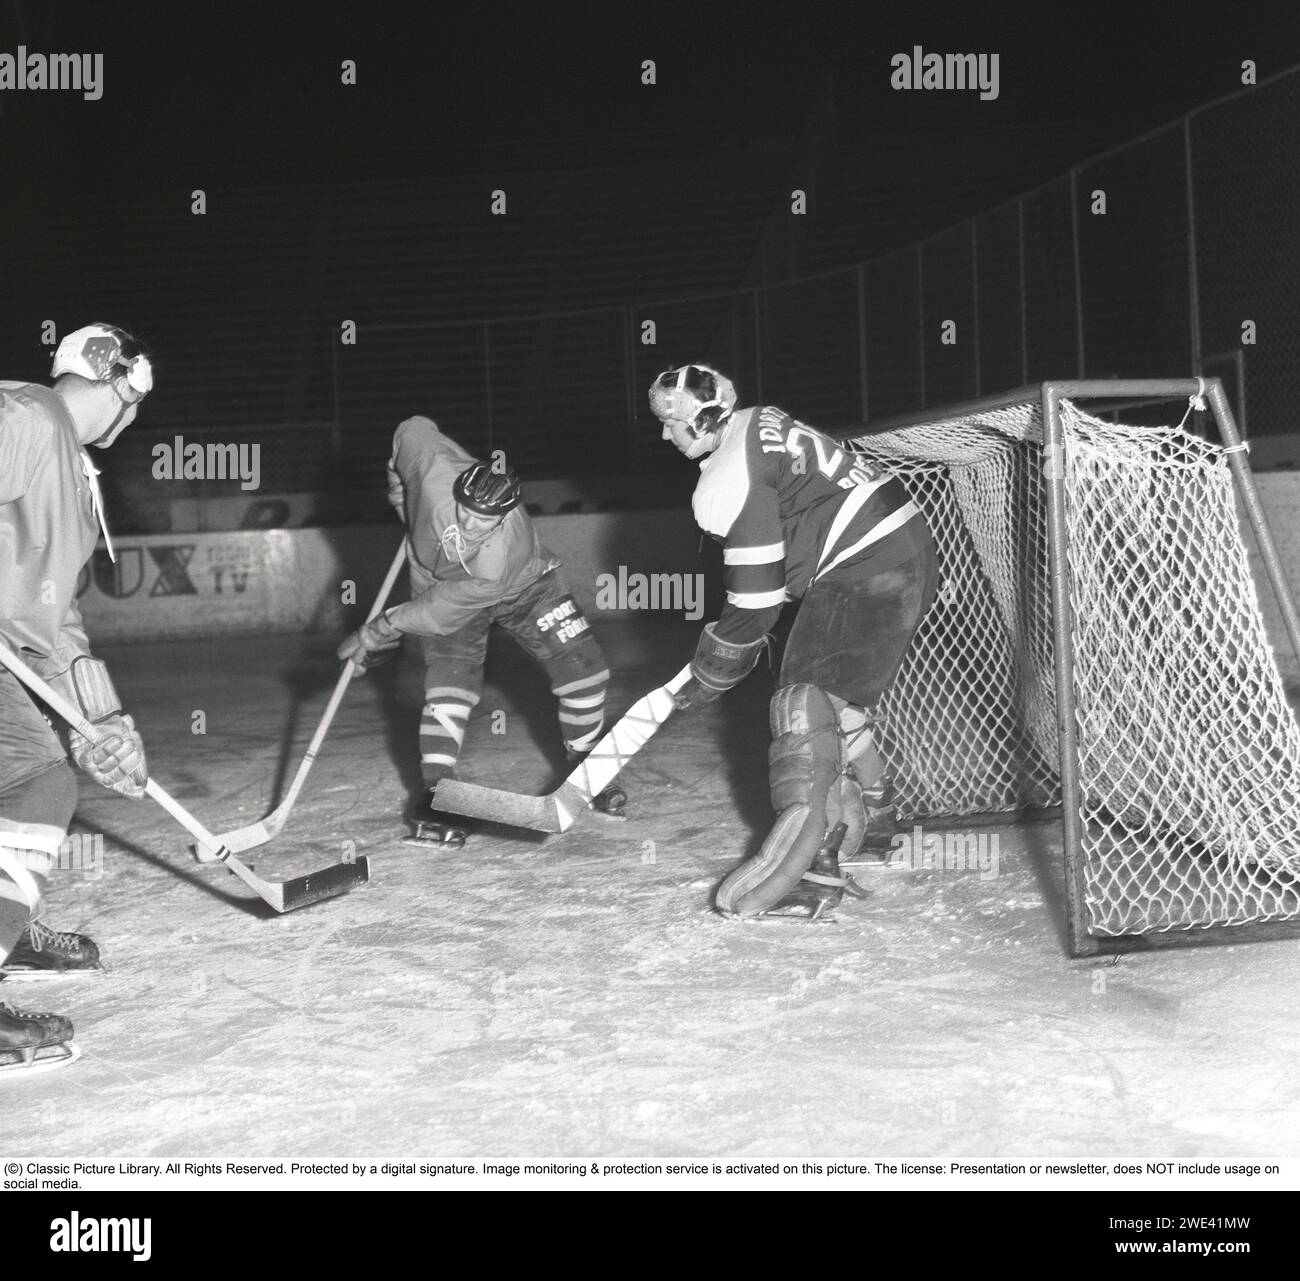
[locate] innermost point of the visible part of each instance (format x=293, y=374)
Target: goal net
x=1188, y=755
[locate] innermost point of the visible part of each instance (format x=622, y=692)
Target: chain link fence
x=1172, y=255
x=1149, y=260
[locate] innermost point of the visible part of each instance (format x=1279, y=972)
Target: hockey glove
x=117, y=761
x=372, y=644
x=718, y=665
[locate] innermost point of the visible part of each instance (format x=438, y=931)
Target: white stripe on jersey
x=895, y=520
x=758, y=600
x=849, y=508
x=768, y=554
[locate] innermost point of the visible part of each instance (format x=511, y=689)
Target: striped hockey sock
x=582, y=710
x=442, y=730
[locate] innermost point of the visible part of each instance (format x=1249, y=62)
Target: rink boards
x=258, y=582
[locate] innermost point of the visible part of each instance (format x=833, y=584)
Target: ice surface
x=575, y=995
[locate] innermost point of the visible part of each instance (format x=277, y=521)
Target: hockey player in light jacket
x=50, y=520
x=801, y=518
x=475, y=560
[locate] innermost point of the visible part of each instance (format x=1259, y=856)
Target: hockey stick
x=266, y=829
x=284, y=896
x=556, y=811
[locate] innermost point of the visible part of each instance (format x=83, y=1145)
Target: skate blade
x=791, y=914
x=45, y=976
x=797, y=909
x=788, y=917
x=872, y=863
x=427, y=843
x=48, y=1059
x=825, y=916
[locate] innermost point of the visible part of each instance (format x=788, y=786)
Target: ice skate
x=433, y=828
x=42, y=953
x=31, y=1042
x=812, y=898
x=821, y=890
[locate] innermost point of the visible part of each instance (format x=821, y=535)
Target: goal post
x=1097, y=649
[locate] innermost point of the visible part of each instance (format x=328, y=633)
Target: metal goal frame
x=1081, y=941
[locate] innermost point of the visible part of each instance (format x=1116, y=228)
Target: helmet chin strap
x=112, y=431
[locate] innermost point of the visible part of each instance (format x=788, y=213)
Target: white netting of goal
x=1189, y=755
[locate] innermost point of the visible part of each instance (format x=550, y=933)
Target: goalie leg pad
x=805, y=754
x=822, y=887
x=764, y=880
x=804, y=762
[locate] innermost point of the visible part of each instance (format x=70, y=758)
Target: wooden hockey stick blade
x=283, y=896
x=288, y=896
x=558, y=810
x=514, y=809
x=268, y=828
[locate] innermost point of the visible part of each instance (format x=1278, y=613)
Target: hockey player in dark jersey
x=801, y=518
x=476, y=560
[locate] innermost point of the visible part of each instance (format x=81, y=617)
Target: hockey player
x=475, y=560
x=801, y=518
x=51, y=516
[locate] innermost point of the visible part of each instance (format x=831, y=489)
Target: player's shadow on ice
x=312, y=675
x=208, y=878
x=744, y=732
x=301, y=683
x=514, y=681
